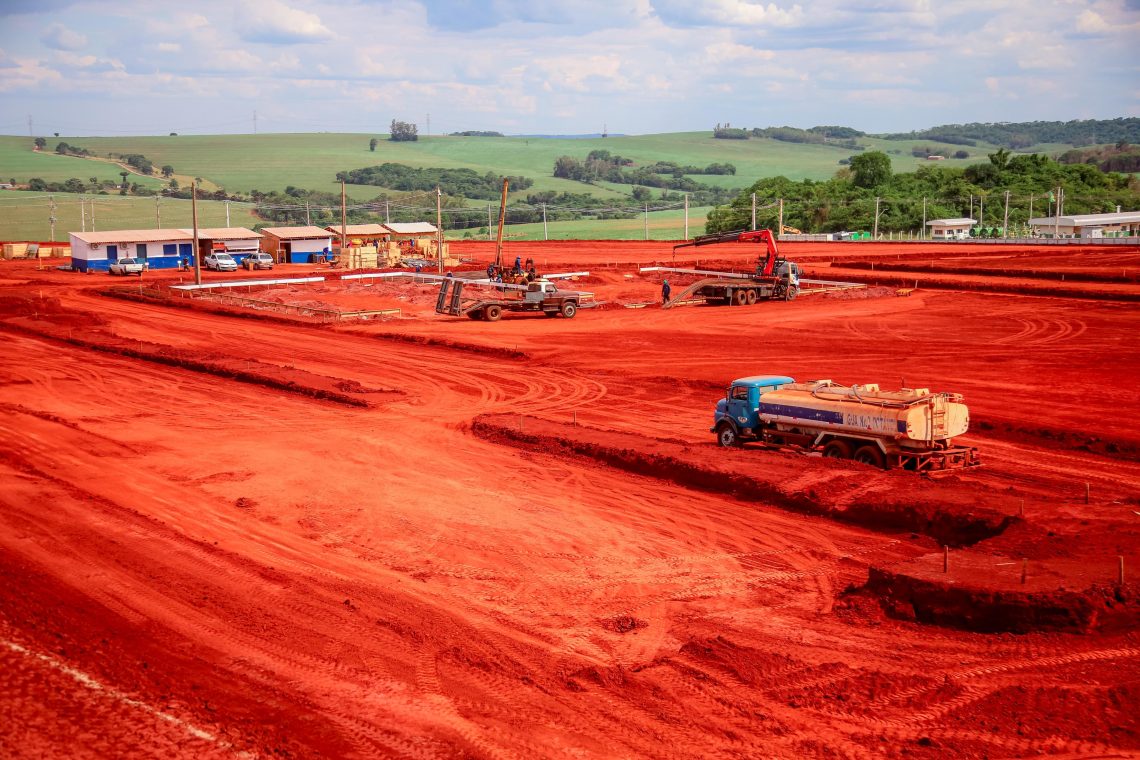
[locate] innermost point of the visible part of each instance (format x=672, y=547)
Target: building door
x=112, y=253
x=186, y=253
x=140, y=251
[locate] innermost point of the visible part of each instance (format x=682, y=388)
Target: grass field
x=240, y=163
x=26, y=216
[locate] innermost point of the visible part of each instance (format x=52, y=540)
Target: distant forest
x=1004, y=134
x=1023, y=134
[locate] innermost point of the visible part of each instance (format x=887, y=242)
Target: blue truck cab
x=736, y=417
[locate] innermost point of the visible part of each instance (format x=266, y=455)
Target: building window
x=170, y=249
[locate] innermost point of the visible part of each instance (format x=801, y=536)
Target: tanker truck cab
x=736, y=418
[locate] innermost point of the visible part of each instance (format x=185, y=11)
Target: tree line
x=462, y=182
x=847, y=200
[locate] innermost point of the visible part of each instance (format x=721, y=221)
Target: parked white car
x=220, y=261
x=127, y=266
x=257, y=261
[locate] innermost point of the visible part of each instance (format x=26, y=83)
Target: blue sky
x=115, y=67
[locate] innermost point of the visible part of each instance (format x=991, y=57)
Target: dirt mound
x=975, y=604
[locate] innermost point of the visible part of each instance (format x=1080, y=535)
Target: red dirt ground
x=206, y=557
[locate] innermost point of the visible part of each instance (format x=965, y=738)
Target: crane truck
x=775, y=277
x=911, y=428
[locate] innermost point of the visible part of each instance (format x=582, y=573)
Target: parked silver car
x=257, y=261
x=127, y=266
x=220, y=261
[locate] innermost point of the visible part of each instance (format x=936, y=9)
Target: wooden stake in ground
x=1120, y=571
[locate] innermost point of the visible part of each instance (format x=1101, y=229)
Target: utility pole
x=1031, y=205
x=875, y=231
x=158, y=215
x=1005, y=217
x=1057, y=214
x=922, y=232
x=646, y=221
x=753, y=212
x=92, y=214
x=686, y=216
x=227, y=213
x=83, y=213
x=255, y=122
x=387, y=219
x=981, y=210
x=780, y=222
x=30, y=126
x=52, y=220
x=502, y=219
x=489, y=222
x=307, y=222
x=343, y=221
x=438, y=223
x=545, y=232
x=971, y=208
x=194, y=215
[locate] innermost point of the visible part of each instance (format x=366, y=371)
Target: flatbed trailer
x=540, y=296
x=737, y=292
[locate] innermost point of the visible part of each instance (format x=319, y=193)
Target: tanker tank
x=911, y=417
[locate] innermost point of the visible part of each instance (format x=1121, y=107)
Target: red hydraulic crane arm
x=763, y=269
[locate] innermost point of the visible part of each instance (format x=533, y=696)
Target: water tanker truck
x=911, y=428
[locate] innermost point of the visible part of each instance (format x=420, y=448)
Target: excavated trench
x=959, y=515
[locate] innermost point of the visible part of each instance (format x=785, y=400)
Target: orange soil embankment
x=222, y=557
x=950, y=513
x=1060, y=596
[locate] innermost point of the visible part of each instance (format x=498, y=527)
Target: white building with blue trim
x=159, y=249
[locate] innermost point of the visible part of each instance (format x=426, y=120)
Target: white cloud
x=59, y=37
x=274, y=22
x=169, y=47
x=1091, y=22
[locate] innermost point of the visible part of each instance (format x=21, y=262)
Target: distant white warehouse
x=1119, y=224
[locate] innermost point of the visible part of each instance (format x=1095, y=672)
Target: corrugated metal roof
x=296, y=233
x=411, y=228
x=950, y=222
x=131, y=236
x=224, y=233
x=359, y=229
x=1082, y=220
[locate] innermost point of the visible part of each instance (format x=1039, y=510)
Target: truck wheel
x=791, y=292
x=837, y=450
x=726, y=435
x=750, y=296
x=569, y=309
x=492, y=313
x=871, y=455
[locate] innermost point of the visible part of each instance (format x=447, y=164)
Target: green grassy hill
x=267, y=162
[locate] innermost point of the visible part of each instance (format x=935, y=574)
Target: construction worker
x=665, y=290
x=518, y=265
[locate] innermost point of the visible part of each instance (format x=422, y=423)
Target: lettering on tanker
x=869, y=422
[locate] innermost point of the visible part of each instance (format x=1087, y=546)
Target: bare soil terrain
x=236, y=531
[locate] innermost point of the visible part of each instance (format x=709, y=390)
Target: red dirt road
x=201, y=564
